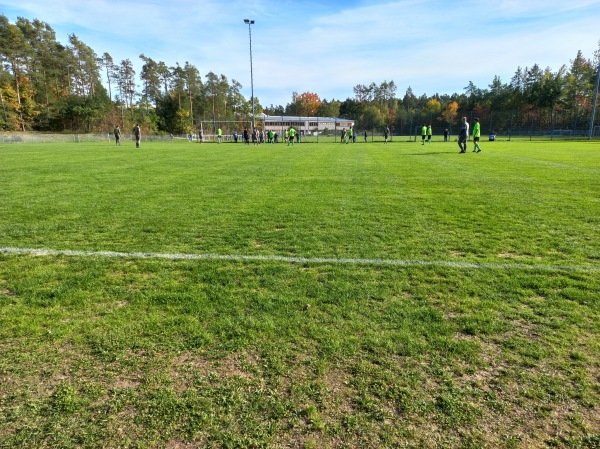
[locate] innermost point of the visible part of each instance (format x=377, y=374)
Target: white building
x=305, y=125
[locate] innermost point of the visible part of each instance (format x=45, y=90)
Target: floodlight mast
x=249, y=23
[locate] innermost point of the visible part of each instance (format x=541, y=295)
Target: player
x=476, y=136
x=463, y=136
x=423, y=134
x=429, y=132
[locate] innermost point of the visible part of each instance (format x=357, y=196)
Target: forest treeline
x=46, y=85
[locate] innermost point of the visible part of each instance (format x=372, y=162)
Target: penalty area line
x=294, y=260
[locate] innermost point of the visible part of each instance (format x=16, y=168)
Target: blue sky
x=328, y=47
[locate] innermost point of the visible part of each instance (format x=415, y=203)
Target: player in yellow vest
x=476, y=136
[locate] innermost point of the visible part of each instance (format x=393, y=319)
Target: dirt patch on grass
x=5, y=292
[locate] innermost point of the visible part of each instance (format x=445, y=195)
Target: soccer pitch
x=306, y=296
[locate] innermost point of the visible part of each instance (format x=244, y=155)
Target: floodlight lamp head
x=248, y=21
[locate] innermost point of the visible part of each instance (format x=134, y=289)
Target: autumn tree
x=433, y=106
x=305, y=104
x=450, y=113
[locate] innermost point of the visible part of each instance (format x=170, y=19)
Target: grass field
x=314, y=296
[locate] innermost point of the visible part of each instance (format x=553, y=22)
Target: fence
x=505, y=126
x=30, y=137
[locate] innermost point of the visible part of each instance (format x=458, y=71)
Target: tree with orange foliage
x=450, y=113
x=306, y=104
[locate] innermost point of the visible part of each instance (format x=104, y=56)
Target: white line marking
x=300, y=260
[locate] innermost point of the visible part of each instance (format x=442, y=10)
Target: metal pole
x=250, y=22
x=595, y=101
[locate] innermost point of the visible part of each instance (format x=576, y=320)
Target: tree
x=350, y=109
x=306, y=104
x=372, y=118
x=107, y=62
x=329, y=108
x=364, y=94
x=450, y=113
x=165, y=75
x=579, y=82
x=409, y=101
x=275, y=110
x=498, y=94
x=433, y=106
x=15, y=50
x=474, y=95
x=87, y=73
x=126, y=79
x=551, y=88
x=150, y=76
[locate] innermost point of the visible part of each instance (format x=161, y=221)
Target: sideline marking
x=301, y=260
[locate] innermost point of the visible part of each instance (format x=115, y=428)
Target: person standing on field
x=423, y=134
x=117, y=133
x=476, y=136
x=137, y=132
x=386, y=133
x=219, y=135
x=463, y=136
x=365, y=136
x=292, y=135
x=429, y=132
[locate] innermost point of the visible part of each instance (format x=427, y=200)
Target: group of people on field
x=349, y=135
x=258, y=136
x=137, y=132
x=463, y=135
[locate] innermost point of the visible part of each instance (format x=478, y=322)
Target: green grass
x=501, y=349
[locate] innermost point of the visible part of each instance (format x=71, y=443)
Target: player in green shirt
x=292, y=134
x=423, y=134
x=429, y=133
x=219, y=135
x=476, y=136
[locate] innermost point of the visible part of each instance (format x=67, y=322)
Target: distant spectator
x=117, y=132
x=137, y=132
